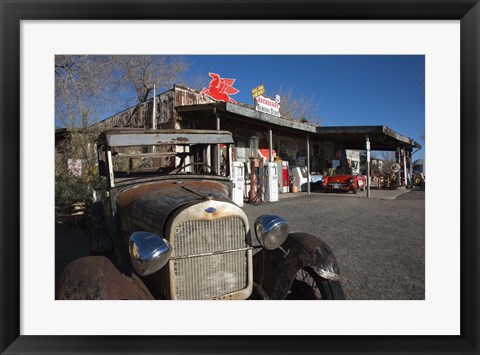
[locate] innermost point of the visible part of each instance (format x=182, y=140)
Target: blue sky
x=348, y=89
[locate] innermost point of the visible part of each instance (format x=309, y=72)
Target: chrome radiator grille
x=210, y=276
x=201, y=236
x=199, y=276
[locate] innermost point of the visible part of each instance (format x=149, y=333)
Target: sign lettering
x=267, y=105
x=259, y=90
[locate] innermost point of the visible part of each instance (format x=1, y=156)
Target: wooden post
x=308, y=164
x=270, y=144
x=217, y=147
x=367, y=145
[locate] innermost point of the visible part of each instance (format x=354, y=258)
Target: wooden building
x=299, y=143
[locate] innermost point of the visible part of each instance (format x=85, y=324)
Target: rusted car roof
x=133, y=136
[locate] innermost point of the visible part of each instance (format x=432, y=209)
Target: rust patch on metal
x=182, y=139
x=147, y=206
x=96, y=278
x=167, y=188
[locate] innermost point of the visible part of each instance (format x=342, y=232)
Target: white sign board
x=395, y=167
x=75, y=167
x=267, y=105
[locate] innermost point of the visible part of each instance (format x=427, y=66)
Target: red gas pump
x=285, y=177
x=253, y=196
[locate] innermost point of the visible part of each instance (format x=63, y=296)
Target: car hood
x=340, y=178
x=147, y=206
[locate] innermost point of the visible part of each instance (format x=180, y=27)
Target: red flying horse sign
x=219, y=89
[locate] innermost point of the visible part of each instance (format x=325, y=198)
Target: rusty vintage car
x=165, y=228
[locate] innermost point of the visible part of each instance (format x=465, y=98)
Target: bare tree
x=388, y=158
x=87, y=88
x=82, y=85
x=141, y=73
x=197, y=82
x=301, y=108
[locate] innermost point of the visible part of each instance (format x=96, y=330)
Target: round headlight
x=271, y=231
x=148, y=252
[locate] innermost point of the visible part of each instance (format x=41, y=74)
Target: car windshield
x=342, y=171
x=129, y=162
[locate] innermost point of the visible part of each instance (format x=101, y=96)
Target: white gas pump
x=238, y=182
x=300, y=177
x=271, y=182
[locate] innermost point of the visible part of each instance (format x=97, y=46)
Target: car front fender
x=274, y=271
x=96, y=278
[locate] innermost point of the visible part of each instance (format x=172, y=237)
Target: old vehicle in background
x=342, y=179
x=166, y=228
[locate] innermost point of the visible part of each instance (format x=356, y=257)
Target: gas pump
x=300, y=177
x=283, y=176
x=238, y=182
x=271, y=183
x=253, y=196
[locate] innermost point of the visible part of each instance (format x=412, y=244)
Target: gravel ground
x=379, y=242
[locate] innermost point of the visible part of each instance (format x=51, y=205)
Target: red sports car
x=343, y=181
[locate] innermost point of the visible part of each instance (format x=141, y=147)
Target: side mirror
x=148, y=252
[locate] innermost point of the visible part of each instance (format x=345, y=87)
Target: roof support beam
x=270, y=144
x=367, y=147
x=217, y=147
x=308, y=164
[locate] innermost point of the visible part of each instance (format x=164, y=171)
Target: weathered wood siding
x=140, y=116
x=183, y=97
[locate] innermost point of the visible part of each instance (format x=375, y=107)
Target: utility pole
x=367, y=143
x=154, y=116
x=154, y=119
x=308, y=164
x=218, y=153
x=270, y=144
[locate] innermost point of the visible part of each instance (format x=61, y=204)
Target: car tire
x=332, y=290
x=308, y=285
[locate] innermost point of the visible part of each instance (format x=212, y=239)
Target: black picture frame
x=12, y=12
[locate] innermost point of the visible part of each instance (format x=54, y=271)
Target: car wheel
x=308, y=285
